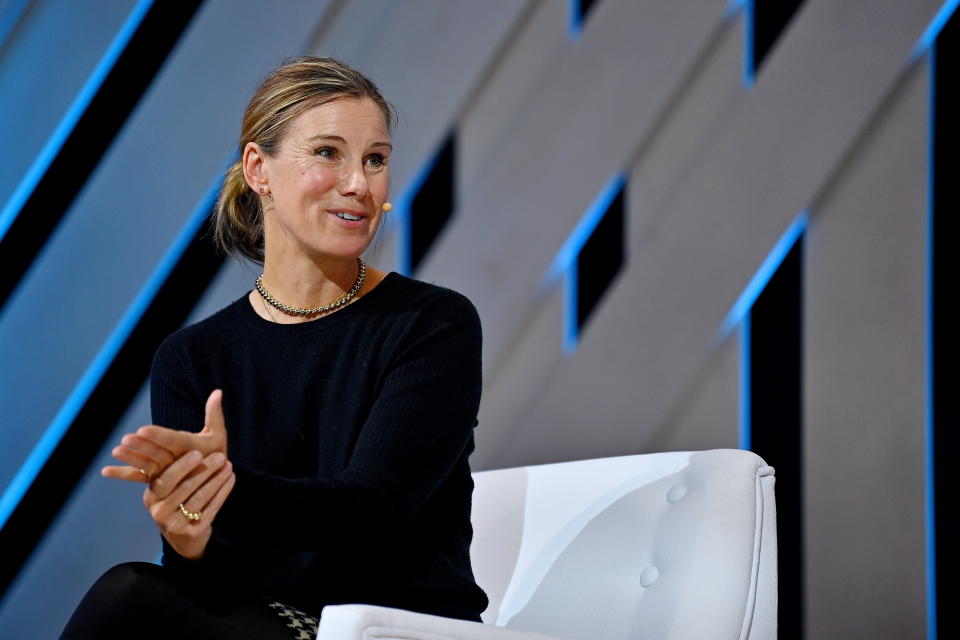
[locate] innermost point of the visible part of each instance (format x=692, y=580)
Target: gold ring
x=145, y=474
x=189, y=515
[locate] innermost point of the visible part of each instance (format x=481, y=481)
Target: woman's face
x=328, y=180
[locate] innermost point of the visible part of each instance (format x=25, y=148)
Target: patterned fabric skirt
x=301, y=625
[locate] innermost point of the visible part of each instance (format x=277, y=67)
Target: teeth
x=347, y=216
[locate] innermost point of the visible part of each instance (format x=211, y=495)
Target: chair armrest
x=367, y=622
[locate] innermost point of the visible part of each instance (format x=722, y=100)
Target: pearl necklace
x=300, y=311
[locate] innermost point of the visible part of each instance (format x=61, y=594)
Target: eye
x=326, y=152
x=376, y=160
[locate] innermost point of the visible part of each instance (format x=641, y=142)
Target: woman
x=311, y=439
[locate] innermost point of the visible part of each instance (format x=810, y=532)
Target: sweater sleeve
x=176, y=403
x=419, y=425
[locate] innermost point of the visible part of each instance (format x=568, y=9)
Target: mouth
x=349, y=218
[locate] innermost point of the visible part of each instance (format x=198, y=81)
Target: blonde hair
x=292, y=88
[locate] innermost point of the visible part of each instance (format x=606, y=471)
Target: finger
x=179, y=523
x=213, y=507
x=161, y=456
x=200, y=499
x=129, y=474
x=176, y=442
x=188, y=485
x=166, y=482
x=133, y=459
x=213, y=421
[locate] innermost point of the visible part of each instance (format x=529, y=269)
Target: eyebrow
x=324, y=136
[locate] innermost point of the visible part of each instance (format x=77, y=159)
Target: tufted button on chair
x=661, y=546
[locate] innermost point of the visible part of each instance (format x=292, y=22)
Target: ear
x=254, y=167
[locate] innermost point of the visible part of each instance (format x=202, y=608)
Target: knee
x=116, y=601
x=126, y=582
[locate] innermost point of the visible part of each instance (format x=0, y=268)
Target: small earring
x=261, y=190
x=387, y=207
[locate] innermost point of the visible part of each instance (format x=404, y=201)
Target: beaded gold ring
x=189, y=515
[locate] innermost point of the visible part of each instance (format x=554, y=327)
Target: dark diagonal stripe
x=567, y=263
x=600, y=260
x=45, y=204
x=764, y=23
x=945, y=328
x=770, y=19
x=434, y=203
x=776, y=420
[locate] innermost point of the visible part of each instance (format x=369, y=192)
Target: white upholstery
x=361, y=621
x=667, y=546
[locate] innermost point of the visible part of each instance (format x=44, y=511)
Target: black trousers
x=147, y=602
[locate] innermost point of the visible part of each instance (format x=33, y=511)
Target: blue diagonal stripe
x=67, y=124
x=581, y=233
x=760, y=279
x=929, y=36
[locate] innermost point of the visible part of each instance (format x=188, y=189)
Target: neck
x=306, y=283
x=344, y=283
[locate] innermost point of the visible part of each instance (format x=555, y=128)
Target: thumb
x=213, y=414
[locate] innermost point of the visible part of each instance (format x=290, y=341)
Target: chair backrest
x=667, y=545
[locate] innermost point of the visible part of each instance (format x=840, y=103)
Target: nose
x=353, y=181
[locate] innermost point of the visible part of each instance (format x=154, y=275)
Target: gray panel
x=152, y=177
x=688, y=123
x=706, y=415
x=525, y=60
x=512, y=385
x=602, y=93
x=773, y=154
x=864, y=377
x=46, y=61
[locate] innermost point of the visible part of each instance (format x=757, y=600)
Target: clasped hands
x=187, y=474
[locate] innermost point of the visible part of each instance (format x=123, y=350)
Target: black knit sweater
x=349, y=436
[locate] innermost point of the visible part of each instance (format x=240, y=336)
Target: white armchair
x=661, y=546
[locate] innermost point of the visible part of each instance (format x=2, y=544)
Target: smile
x=346, y=216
